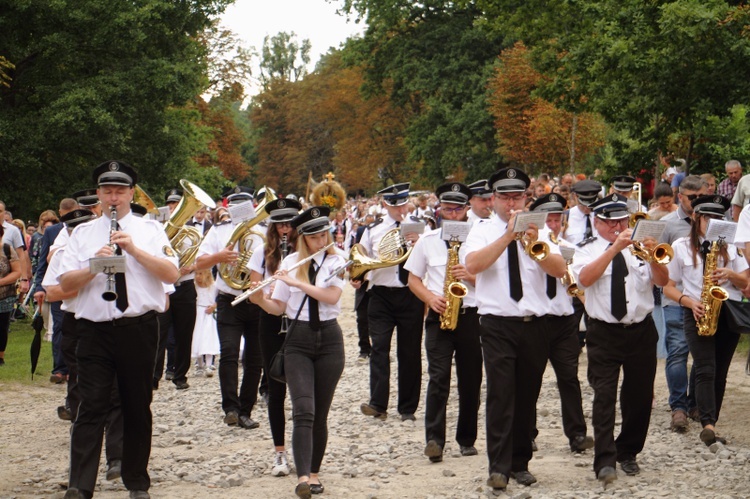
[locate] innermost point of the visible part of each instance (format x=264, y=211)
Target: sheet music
x=721, y=229
x=453, y=230
x=412, y=228
x=163, y=215
x=241, y=212
x=523, y=220
x=567, y=252
x=648, y=228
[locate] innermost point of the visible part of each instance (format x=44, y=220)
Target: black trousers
x=108, y=354
x=398, y=308
x=313, y=363
x=113, y=425
x=712, y=356
x=270, y=343
x=361, y=305
x=441, y=346
x=181, y=318
x=562, y=337
x=515, y=355
x=612, y=347
x=235, y=323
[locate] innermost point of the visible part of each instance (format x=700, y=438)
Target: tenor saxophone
x=711, y=295
x=453, y=290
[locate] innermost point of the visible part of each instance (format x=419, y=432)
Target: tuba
x=140, y=197
x=391, y=250
x=237, y=275
x=193, y=199
x=453, y=290
x=711, y=295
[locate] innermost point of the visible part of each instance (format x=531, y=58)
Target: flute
x=110, y=293
x=245, y=295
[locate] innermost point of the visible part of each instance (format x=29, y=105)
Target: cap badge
x=237, y=190
x=615, y=198
x=394, y=190
x=281, y=203
x=717, y=200
x=512, y=173
x=315, y=213
x=113, y=166
x=455, y=187
x=552, y=197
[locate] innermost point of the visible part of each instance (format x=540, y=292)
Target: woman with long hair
x=712, y=355
x=281, y=241
x=314, y=351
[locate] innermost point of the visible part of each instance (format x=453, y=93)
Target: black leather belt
x=329, y=322
x=525, y=318
x=620, y=325
x=128, y=321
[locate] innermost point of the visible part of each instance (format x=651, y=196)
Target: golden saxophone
x=711, y=295
x=453, y=290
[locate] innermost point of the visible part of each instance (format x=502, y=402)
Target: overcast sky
x=316, y=20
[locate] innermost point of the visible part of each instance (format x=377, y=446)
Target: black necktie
x=589, y=232
x=120, y=287
x=514, y=272
x=403, y=274
x=312, y=302
x=551, y=287
x=619, y=271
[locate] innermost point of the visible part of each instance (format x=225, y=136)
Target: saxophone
x=453, y=290
x=711, y=295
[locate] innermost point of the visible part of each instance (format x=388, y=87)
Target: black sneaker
x=232, y=418
x=630, y=467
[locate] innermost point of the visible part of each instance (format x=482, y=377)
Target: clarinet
x=284, y=254
x=109, y=291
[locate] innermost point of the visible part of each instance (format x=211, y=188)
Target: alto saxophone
x=711, y=295
x=453, y=290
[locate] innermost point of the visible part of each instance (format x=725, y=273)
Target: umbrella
x=36, y=344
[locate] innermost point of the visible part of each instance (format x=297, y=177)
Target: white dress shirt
x=493, y=284
x=293, y=296
x=387, y=276
x=145, y=291
x=428, y=259
x=576, y=231
x=638, y=292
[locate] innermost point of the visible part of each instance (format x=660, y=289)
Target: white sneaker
x=210, y=370
x=280, y=464
x=199, y=371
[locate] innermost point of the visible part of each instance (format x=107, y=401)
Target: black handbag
x=738, y=316
x=276, y=365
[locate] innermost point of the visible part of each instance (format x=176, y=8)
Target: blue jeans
x=677, y=357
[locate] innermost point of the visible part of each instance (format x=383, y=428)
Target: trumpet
x=661, y=254
x=537, y=250
x=110, y=293
x=245, y=295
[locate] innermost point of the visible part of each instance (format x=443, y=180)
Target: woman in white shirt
x=712, y=355
x=314, y=350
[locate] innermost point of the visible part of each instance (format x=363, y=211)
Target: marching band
x=501, y=284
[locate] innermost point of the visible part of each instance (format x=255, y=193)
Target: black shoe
x=581, y=443
x=434, y=451
x=534, y=448
x=114, y=470
x=139, y=494
x=408, y=417
x=169, y=376
x=317, y=488
x=607, y=475
x=630, y=467
x=303, y=490
x=2, y=361
x=468, y=450
x=73, y=493
x=523, y=477
x=64, y=413
x=248, y=423
x=232, y=418
x=497, y=481
x=155, y=384
x=181, y=385
x=369, y=410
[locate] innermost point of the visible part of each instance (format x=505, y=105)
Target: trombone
x=638, y=215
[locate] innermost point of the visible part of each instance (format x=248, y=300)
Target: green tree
x=97, y=80
x=283, y=58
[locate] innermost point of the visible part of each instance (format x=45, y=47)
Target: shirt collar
x=124, y=222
